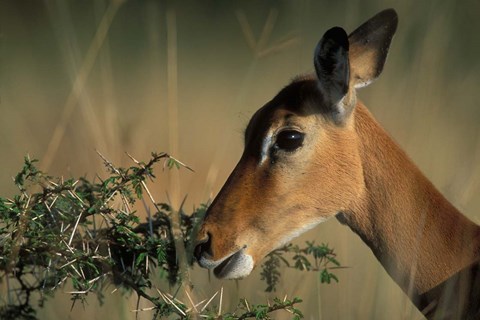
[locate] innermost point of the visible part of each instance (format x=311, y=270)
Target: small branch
x=269, y=309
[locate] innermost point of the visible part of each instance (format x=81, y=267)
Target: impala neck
x=416, y=234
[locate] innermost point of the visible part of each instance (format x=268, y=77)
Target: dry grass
x=142, y=76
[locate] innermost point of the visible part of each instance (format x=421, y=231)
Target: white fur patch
x=364, y=83
x=239, y=265
x=267, y=141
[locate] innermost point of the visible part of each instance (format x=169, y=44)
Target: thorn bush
x=88, y=235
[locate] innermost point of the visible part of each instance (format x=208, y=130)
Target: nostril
x=203, y=245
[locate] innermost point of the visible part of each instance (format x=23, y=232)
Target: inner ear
x=332, y=68
x=369, y=46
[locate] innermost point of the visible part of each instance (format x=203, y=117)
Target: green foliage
x=317, y=258
x=87, y=234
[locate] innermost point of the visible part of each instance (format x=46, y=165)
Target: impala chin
x=236, y=265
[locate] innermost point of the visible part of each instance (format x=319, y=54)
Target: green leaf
x=140, y=259
x=333, y=260
x=326, y=277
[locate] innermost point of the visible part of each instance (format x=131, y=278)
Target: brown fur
x=419, y=237
x=348, y=167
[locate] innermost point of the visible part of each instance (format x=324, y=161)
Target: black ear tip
x=390, y=13
x=338, y=35
x=389, y=16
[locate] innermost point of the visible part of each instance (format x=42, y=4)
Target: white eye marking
x=265, y=148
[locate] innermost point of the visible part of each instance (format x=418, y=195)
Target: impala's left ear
x=333, y=71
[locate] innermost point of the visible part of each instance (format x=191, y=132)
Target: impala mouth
x=237, y=265
x=228, y=266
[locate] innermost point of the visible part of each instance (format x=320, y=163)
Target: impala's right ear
x=369, y=46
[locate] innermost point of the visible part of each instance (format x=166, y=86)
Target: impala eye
x=289, y=140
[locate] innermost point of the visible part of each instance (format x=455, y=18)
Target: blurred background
x=185, y=77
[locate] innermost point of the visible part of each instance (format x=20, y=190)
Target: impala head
x=301, y=162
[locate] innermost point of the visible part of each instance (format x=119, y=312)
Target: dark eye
x=289, y=140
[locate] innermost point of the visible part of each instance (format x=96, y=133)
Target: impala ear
x=343, y=62
x=332, y=68
x=369, y=46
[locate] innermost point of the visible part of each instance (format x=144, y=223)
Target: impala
x=315, y=151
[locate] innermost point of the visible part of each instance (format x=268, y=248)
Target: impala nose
x=203, y=245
